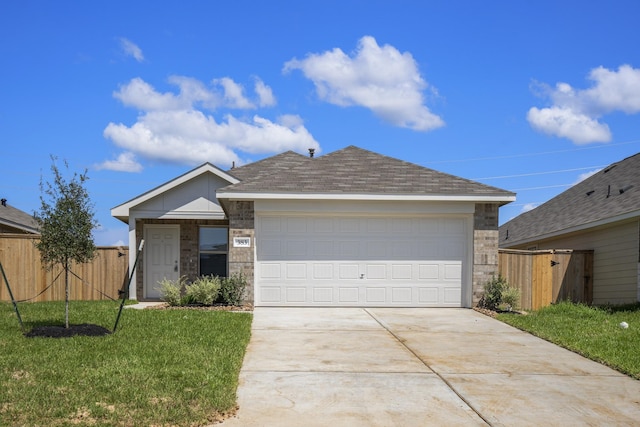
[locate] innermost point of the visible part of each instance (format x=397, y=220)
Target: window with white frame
x=213, y=248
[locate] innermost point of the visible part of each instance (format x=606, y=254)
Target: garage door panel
x=375, y=295
x=402, y=295
x=376, y=271
x=451, y=296
x=353, y=261
x=323, y=271
x=452, y=272
x=376, y=249
x=428, y=295
x=296, y=225
x=322, y=249
x=296, y=294
x=270, y=271
x=348, y=225
x=349, y=271
x=349, y=295
x=428, y=271
x=401, y=271
x=269, y=294
x=295, y=271
x=323, y=225
x=323, y=295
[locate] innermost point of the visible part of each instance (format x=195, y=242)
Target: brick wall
x=241, y=260
x=485, y=247
x=189, y=247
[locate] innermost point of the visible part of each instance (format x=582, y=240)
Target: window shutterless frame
x=213, y=248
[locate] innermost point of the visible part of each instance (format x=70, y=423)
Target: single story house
x=13, y=220
x=349, y=228
x=601, y=213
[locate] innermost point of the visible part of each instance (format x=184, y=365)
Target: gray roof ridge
x=354, y=170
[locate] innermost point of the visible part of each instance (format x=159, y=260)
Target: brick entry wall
x=241, y=260
x=189, y=247
x=485, y=247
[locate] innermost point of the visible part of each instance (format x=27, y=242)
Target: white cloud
x=528, y=207
x=567, y=123
x=126, y=162
x=234, y=94
x=576, y=113
x=265, y=94
x=131, y=49
x=175, y=128
x=141, y=95
x=380, y=78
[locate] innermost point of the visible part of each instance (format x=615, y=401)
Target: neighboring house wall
x=616, y=259
x=485, y=247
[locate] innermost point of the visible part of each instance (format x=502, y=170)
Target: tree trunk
x=66, y=294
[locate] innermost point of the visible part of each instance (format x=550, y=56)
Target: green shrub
x=203, y=290
x=171, y=290
x=232, y=289
x=510, y=298
x=493, y=293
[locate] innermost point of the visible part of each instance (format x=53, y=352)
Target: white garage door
x=359, y=261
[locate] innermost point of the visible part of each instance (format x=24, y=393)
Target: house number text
x=242, y=242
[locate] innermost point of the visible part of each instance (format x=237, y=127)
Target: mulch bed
x=215, y=307
x=85, y=329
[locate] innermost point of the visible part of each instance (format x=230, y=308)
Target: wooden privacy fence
x=99, y=279
x=548, y=276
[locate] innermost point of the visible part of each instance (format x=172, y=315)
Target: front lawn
x=161, y=367
x=592, y=332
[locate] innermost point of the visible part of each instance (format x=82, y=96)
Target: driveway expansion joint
x=442, y=378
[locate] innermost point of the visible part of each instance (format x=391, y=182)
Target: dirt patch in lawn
x=85, y=329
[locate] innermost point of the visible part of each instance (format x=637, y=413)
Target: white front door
x=161, y=257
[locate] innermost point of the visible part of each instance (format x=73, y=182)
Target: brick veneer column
x=241, y=224
x=485, y=247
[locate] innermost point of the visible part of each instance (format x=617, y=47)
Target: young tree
x=66, y=221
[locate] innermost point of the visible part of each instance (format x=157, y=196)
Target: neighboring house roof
x=14, y=219
x=611, y=195
x=355, y=171
x=122, y=211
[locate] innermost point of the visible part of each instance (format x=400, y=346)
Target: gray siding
x=616, y=252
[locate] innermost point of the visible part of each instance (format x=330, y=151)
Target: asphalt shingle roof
x=610, y=193
x=351, y=170
x=15, y=218
x=268, y=166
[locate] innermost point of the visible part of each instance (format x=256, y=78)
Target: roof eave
x=574, y=229
x=477, y=198
x=23, y=227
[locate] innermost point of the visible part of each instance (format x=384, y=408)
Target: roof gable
x=122, y=211
x=354, y=170
x=609, y=195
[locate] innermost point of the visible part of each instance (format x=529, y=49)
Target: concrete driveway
x=418, y=367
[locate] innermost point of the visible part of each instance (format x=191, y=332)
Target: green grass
x=161, y=367
x=590, y=331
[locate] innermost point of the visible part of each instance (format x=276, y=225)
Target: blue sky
x=526, y=96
